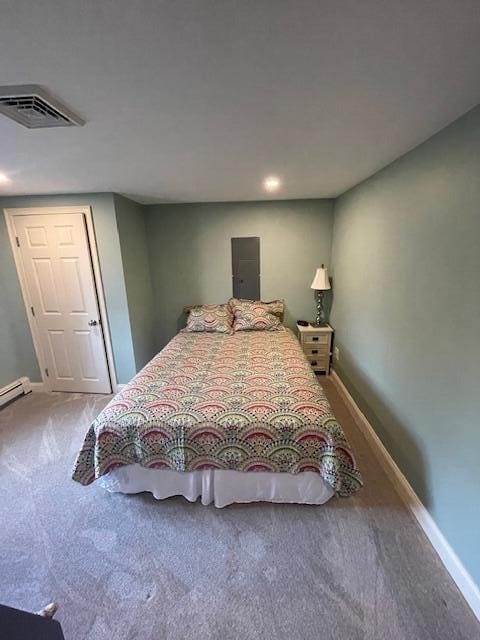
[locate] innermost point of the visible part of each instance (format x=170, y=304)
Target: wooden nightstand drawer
x=320, y=364
x=312, y=338
x=318, y=351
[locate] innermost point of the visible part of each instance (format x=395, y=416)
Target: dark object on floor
x=23, y=625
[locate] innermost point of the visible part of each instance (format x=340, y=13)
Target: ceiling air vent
x=34, y=108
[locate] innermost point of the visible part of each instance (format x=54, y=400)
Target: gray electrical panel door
x=246, y=268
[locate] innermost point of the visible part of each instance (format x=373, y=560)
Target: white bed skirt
x=219, y=486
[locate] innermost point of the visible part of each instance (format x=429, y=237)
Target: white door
x=58, y=272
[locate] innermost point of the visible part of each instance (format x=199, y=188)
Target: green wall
x=136, y=267
x=17, y=353
x=190, y=254
x=406, y=271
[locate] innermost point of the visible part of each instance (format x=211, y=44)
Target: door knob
x=92, y=323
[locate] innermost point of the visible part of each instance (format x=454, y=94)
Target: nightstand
x=317, y=346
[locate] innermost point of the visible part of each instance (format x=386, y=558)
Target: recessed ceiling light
x=4, y=179
x=272, y=183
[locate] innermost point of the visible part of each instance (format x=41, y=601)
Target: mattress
x=246, y=402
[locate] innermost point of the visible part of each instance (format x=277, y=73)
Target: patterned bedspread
x=247, y=401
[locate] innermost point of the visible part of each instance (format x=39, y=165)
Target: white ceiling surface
x=199, y=100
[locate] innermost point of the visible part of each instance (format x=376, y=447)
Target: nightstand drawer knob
x=314, y=350
x=315, y=339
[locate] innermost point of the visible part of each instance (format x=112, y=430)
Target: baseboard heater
x=17, y=388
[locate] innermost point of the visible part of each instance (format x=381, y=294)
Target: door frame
x=97, y=277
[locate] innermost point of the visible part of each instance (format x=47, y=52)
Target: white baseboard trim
x=37, y=387
x=454, y=566
x=16, y=388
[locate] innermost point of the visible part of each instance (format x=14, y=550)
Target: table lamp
x=320, y=283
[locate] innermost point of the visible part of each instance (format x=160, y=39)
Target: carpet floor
x=128, y=567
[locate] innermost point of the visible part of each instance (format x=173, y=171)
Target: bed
x=226, y=418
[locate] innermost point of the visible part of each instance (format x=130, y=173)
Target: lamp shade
x=321, y=281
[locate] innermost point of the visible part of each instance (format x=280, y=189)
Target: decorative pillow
x=253, y=315
x=210, y=317
x=277, y=307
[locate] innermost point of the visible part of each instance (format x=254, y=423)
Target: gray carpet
x=131, y=567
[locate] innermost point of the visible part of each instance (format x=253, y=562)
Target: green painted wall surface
x=190, y=254
x=15, y=338
x=17, y=355
x=406, y=270
x=133, y=243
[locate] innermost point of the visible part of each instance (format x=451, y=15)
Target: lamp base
x=319, y=324
x=320, y=319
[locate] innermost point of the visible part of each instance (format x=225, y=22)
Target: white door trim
x=87, y=212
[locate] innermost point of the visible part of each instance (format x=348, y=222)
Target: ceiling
x=199, y=100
